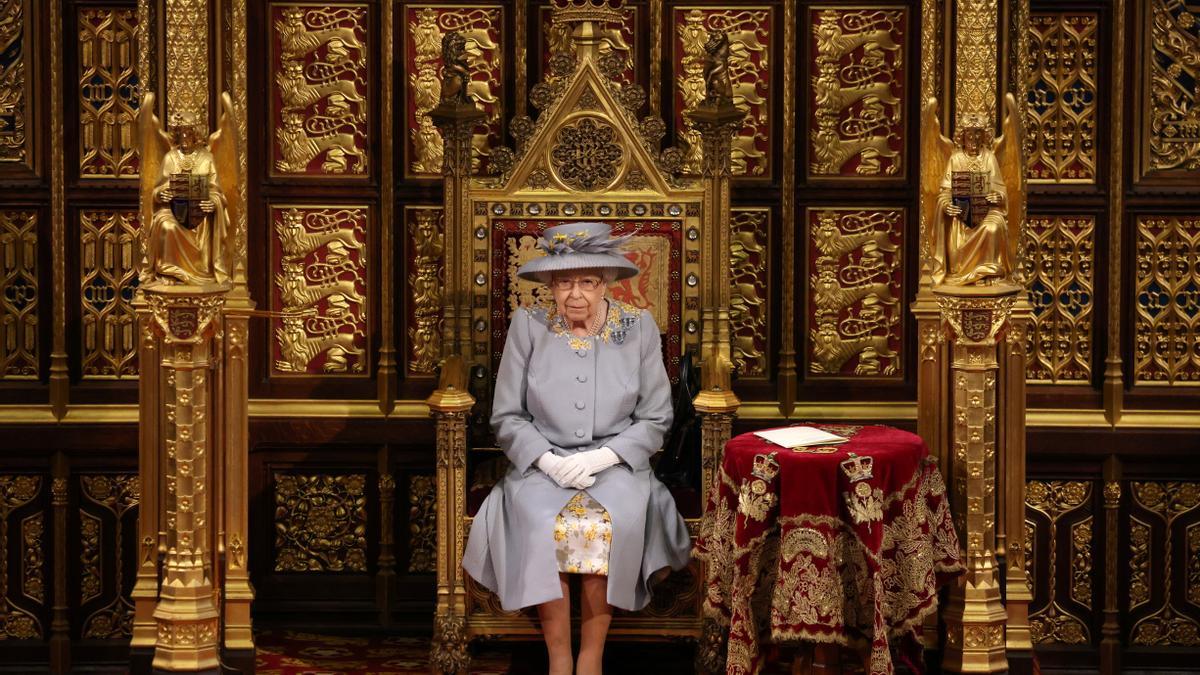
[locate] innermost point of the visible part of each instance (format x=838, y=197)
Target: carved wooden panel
x=749, y=304
x=320, y=522
x=1171, y=100
x=426, y=279
x=1167, y=297
x=422, y=524
x=1164, y=518
x=108, y=92
x=424, y=27
x=614, y=38
x=18, y=295
x=16, y=62
x=108, y=250
x=23, y=543
x=1061, y=270
x=855, y=289
x=320, y=86
x=1061, y=102
x=857, y=90
x=751, y=31
x=108, y=508
x=1060, y=513
x=320, y=287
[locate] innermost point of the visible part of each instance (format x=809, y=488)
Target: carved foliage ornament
x=107, y=283
x=481, y=29
x=107, y=498
x=855, y=289
x=320, y=289
x=20, y=621
x=1173, y=118
x=1059, y=502
x=108, y=91
x=750, y=31
x=1060, y=270
x=320, y=523
x=857, y=91
x=321, y=79
x=1061, y=102
x=748, y=256
x=587, y=155
x=1168, y=502
x=15, y=42
x=1167, y=297
x=18, y=295
x=425, y=287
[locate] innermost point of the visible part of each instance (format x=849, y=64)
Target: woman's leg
x=556, y=629
x=597, y=615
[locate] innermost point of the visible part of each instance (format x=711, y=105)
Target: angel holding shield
x=973, y=198
x=184, y=197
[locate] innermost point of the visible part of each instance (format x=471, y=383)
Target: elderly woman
x=582, y=401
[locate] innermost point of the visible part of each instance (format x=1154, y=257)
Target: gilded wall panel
x=748, y=303
x=18, y=295
x=1167, y=298
x=425, y=25
x=1060, y=504
x=855, y=287
x=751, y=31
x=16, y=143
x=857, y=91
x=320, y=110
x=320, y=289
x=108, y=518
x=1166, y=504
x=1061, y=98
x=1060, y=269
x=1171, y=69
x=108, y=91
x=22, y=576
x=426, y=279
x=422, y=525
x=108, y=244
x=619, y=39
x=320, y=522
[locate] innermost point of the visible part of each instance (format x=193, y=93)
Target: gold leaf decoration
x=320, y=522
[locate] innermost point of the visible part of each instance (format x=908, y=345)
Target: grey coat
x=551, y=397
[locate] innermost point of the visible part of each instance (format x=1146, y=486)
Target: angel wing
x=1008, y=149
x=153, y=144
x=224, y=148
x=936, y=150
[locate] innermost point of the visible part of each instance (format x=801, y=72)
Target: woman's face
x=578, y=293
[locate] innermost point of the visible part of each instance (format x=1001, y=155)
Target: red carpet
x=298, y=653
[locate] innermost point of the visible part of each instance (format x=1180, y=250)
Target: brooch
x=754, y=499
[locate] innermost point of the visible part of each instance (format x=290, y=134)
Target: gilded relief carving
x=1167, y=626
x=319, y=69
x=422, y=525
x=975, y=58
x=1193, y=564
x=1167, y=297
x=750, y=31
x=1054, y=500
x=854, y=293
x=587, y=155
x=18, y=295
x=320, y=289
x=1173, y=115
x=14, y=83
x=619, y=39
x=425, y=284
x=118, y=495
x=108, y=251
x=1060, y=268
x=482, y=30
x=1061, y=103
x=748, y=307
x=187, y=57
x=33, y=558
x=18, y=622
x=109, y=91
x=858, y=90
x=1030, y=548
x=320, y=523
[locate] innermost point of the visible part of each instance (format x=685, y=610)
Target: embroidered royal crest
x=755, y=498
x=865, y=504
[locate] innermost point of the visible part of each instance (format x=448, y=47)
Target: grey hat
x=578, y=246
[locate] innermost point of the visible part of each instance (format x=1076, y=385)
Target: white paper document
x=800, y=437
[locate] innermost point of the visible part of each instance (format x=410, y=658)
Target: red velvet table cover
x=801, y=547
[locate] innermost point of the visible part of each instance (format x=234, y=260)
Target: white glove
x=564, y=473
x=594, y=461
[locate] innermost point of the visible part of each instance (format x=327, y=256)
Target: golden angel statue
x=972, y=198
x=188, y=197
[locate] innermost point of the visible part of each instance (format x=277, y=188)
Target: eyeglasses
x=587, y=284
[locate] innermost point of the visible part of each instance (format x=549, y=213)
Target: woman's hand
x=594, y=461
x=565, y=472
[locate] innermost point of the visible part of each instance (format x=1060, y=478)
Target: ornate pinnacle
x=578, y=11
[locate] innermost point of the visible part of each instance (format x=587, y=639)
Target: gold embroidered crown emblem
x=765, y=467
x=857, y=468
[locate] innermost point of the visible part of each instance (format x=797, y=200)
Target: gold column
x=975, y=617
x=787, y=354
x=145, y=588
x=186, y=51
x=1011, y=464
x=1114, y=385
x=450, y=404
x=187, y=319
